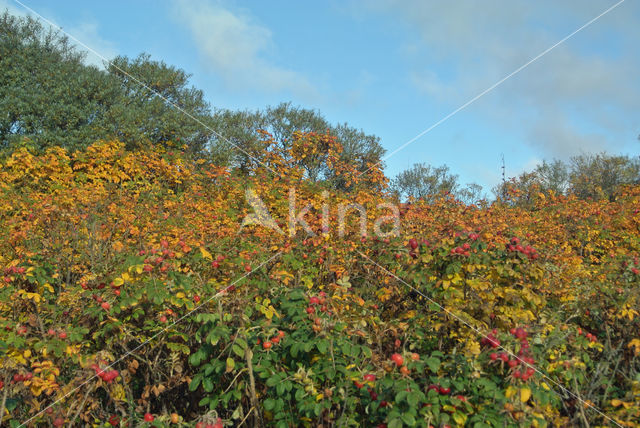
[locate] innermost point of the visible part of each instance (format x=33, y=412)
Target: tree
x=553, y=176
x=545, y=178
x=156, y=106
x=597, y=176
x=282, y=121
x=471, y=193
x=237, y=141
x=361, y=149
x=49, y=96
x=600, y=176
x=423, y=181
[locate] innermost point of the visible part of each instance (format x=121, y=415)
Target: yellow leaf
x=510, y=392
x=473, y=347
x=459, y=418
x=635, y=343
x=117, y=392
x=525, y=394
x=616, y=403
x=230, y=365
x=34, y=296
x=180, y=295
x=118, y=282
x=408, y=315
x=71, y=350
x=207, y=255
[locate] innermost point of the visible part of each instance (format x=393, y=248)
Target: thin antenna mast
x=504, y=178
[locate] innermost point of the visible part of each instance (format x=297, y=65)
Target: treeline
x=587, y=176
x=50, y=96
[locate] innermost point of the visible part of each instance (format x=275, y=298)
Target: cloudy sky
x=396, y=68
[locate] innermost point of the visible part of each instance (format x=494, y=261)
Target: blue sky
x=394, y=68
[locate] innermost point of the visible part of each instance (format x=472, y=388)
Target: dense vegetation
x=130, y=265
x=131, y=294
x=49, y=96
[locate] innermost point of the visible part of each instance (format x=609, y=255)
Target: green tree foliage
x=151, y=105
x=471, y=193
x=242, y=129
x=600, y=176
x=548, y=177
x=426, y=182
x=49, y=96
x=553, y=176
x=587, y=176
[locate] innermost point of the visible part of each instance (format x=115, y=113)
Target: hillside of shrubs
x=258, y=269
x=131, y=295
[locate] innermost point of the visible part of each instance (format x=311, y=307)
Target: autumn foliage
x=130, y=295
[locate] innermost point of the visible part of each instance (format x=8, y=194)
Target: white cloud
x=234, y=46
x=578, y=97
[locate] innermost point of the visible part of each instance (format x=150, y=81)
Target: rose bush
x=130, y=295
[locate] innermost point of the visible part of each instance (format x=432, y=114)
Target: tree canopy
x=587, y=176
x=49, y=96
x=426, y=182
x=242, y=128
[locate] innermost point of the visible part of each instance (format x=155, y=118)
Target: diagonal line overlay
x=135, y=79
x=448, y=312
x=495, y=85
x=218, y=294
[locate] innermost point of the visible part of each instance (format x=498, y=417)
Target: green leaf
x=241, y=343
x=237, y=350
x=400, y=396
x=367, y=352
x=269, y=404
x=409, y=419
x=273, y=380
x=294, y=350
x=195, y=382
x=395, y=423
x=433, y=363
x=413, y=398
x=322, y=346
